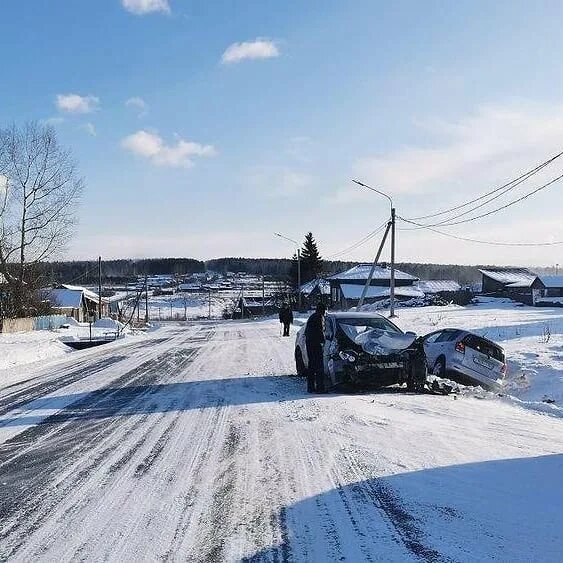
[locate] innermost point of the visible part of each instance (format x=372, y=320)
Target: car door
x=431, y=349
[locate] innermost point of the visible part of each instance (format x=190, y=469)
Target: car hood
x=382, y=343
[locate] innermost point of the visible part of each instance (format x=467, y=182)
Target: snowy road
x=198, y=444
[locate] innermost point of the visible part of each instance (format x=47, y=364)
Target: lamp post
x=298, y=267
x=392, y=280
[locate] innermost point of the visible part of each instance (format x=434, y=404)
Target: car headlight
x=349, y=356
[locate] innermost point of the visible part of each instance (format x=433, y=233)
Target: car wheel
x=439, y=368
x=299, y=363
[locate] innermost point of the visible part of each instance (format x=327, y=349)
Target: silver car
x=465, y=357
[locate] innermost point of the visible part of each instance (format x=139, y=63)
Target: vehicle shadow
x=165, y=397
x=507, y=510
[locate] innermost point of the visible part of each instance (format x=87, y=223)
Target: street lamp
x=392, y=280
x=298, y=267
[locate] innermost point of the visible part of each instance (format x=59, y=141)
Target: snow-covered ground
x=532, y=338
x=197, y=443
x=20, y=349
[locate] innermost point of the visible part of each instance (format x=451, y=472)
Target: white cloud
x=141, y=7
x=179, y=154
x=257, y=49
x=277, y=181
x=90, y=129
x=495, y=143
x=74, y=103
x=3, y=184
x=138, y=104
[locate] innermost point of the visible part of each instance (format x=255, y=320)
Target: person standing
x=286, y=318
x=315, y=338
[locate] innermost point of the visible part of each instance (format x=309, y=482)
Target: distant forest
x=86, y=272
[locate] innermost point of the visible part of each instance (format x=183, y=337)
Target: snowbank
x=531, y=337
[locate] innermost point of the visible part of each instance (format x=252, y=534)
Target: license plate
x=484, y=362
x=389, y=365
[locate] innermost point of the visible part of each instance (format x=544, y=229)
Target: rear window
x=484, y=346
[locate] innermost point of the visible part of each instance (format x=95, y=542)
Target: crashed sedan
x=366, y=350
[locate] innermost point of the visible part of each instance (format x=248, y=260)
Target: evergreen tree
x=311, y=261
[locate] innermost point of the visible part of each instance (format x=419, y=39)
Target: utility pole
x=263, y=298
x=299, y=279
x=298, y=267
x=242, y=301
x=392, y=285
x=146, y=299
x=209, y=315
x=392, y=223
x=99, y=287
x=372, y=270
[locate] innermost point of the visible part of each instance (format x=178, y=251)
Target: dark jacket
x=286, y=315
x=315, y=330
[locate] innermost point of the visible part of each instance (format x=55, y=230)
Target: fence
x=32, y=323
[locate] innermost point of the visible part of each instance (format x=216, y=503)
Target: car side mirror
x=411, y=333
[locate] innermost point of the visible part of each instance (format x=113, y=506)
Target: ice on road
x=198, y=443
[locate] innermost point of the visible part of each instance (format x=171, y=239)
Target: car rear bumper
x=473, y=379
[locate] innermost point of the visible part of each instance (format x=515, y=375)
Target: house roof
x=88, y=294
x=552, y=281
x=63, y=298
x=66, y=296
x=361, y=272
x=322, y=284
x=436, y=286
x=352, y=291
x=509, y=275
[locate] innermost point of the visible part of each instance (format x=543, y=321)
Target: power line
x=491, y=212
x=359, y=243
x=517, y=181
x=492, y=243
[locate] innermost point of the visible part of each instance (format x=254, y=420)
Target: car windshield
x=353, y=326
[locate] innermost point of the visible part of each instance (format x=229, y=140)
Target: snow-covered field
x=196, y=443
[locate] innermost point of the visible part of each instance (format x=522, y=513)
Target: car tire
x=439, y=369
x=299, y=363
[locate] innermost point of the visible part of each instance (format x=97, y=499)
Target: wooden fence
x=32, y=323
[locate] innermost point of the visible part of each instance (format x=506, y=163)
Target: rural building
x=76, y=302
x=523, y=286
x=190, y=288
x=254, y=307
x=314, y=292
x=438, y=287
x=514, y=283
x=346, y=287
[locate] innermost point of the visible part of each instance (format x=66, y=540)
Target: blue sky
x=246, y=118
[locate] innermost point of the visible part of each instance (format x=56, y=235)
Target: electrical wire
x=492, y=243
x=358, y=243
x=509, y=185
x=491, y=212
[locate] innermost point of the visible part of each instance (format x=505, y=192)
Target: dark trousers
x=286, y=329
x=315, y=373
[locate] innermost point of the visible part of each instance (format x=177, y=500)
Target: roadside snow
x=532, y=338
x=21, y=349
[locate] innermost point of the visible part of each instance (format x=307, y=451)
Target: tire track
x=26, y=498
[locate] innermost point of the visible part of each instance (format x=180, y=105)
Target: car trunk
x=482, y=356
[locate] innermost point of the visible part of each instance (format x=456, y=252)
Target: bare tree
x=37, y=210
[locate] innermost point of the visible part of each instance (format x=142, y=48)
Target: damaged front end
x=377, y=358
